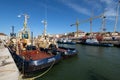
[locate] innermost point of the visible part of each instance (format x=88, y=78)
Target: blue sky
x=60, y=14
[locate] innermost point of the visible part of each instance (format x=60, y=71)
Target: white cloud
x=79, y=9
x=93, y=4
x=110, y=12
x=111, y=18
x=110, y=8
x=108, y=2
x=19, y=16
x=99, y=6
x=76, y=7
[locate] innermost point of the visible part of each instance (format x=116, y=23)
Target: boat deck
x=60, y=49
x=35, y=54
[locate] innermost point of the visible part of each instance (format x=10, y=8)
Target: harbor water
x=91, y=63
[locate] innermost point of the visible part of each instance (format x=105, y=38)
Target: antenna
x=12, y=34
x=12, y=29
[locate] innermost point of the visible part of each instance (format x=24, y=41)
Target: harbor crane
x=103, y=29
x=117, y=15
x=77, y=23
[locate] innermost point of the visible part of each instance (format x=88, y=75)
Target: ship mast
x=45, y=22
x=25, y=21
x=45, y=26
x=117, y=14
x=25, y=32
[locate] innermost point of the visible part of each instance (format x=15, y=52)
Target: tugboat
x=67, y=52
x=95, y=42
x=51, y=46
x=28, y=57
x=66, y=41
x=64, y=51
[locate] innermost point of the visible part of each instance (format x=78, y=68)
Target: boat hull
x=67, y=52
x=25, y=66
x=97, y=44
x=117, y=45
x=72, y=43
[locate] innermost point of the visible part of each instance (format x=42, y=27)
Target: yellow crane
x=77, y=23
x=117, y=15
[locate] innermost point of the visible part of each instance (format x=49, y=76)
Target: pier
x=112, y=42
x=8, y=68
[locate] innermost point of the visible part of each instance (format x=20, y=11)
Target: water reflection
x=91, y=63
x=92, y=75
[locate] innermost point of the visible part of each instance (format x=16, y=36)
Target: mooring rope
x=33, y=78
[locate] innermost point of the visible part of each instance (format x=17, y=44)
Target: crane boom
x=77, y=23
x=117, y=14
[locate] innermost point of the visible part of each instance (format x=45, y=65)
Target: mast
x=45, y=21
x=45, y=26
x=25, y=21
x=25, y=32
x=117, y=14
x=31, y=38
